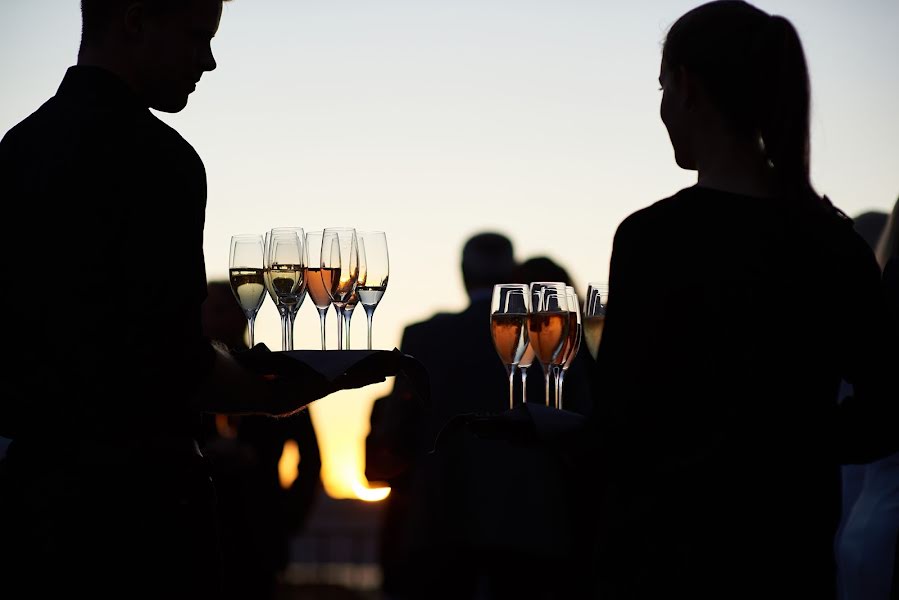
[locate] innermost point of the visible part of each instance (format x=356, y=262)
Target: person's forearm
x=233, y=389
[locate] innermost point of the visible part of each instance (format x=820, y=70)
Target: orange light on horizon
x=288, y=464
x=363, y=492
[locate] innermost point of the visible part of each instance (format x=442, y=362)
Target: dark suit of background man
x=103, y=492
x=466, y=376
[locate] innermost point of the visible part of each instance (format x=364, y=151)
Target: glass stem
x=285, y=328
x=369, y=315
x=510, y=370
x=547, y=375
x=555, y=369
x=292, y=317
x=347, y=315
x=524, y=384
x=560, y=384
x=322, y=315
x=251, y=326
x=339, y=312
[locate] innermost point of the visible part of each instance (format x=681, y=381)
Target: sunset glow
x=288, y=463
x=370, y=494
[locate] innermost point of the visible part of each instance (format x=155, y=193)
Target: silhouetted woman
x=735, y=307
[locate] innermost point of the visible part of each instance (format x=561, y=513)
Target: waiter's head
x=161, y=48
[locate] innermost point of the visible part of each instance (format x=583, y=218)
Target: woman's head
x=751, y=67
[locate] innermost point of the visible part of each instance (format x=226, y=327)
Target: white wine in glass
x=245, y=273
x=595, y=315
x=377, y=267
x=294, y=308
x=509, y=327
x=284, y=276
x=547, y=324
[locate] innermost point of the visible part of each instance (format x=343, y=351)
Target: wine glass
x=547, y=323
x=315, y=283
x=563, y=361
x=377, y=266
x=294, y=308
x=245, y=273
x=339, y=269
x=509, y=327
x=595, y=315
x=347, y=311
x=284, y=276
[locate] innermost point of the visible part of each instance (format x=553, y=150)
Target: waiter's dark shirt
x=104, y=233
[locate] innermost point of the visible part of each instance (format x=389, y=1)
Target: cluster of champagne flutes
x=543, y=320
x=337, y=266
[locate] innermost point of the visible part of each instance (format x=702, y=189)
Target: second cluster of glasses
x=337, y=266
x=539, y=320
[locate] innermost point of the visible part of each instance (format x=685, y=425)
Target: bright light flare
x=368, y=494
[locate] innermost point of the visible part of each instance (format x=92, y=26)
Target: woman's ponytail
x=781, y=105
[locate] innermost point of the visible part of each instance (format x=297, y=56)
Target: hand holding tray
x=322, y=372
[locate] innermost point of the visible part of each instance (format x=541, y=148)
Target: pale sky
x=434, y=120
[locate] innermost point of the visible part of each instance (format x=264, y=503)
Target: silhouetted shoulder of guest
x=868, y=541
x=870, y=225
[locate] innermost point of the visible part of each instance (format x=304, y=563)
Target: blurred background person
x=870, y=225
x=868, y=539
x=466, y=376
x=266, y=472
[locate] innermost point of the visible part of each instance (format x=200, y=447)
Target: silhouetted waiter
x=103, y=492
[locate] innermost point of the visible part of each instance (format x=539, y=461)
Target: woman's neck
x=737, y=166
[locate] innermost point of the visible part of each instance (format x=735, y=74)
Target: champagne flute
x=284, y=275
x=315, y=282
x=340, y=268
x=377, y=264
x=547, y=323
x=595, y=315
x=509, y=327
x=563, y=361
x=294, y=308
x=245, y=272
x=347, y=311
